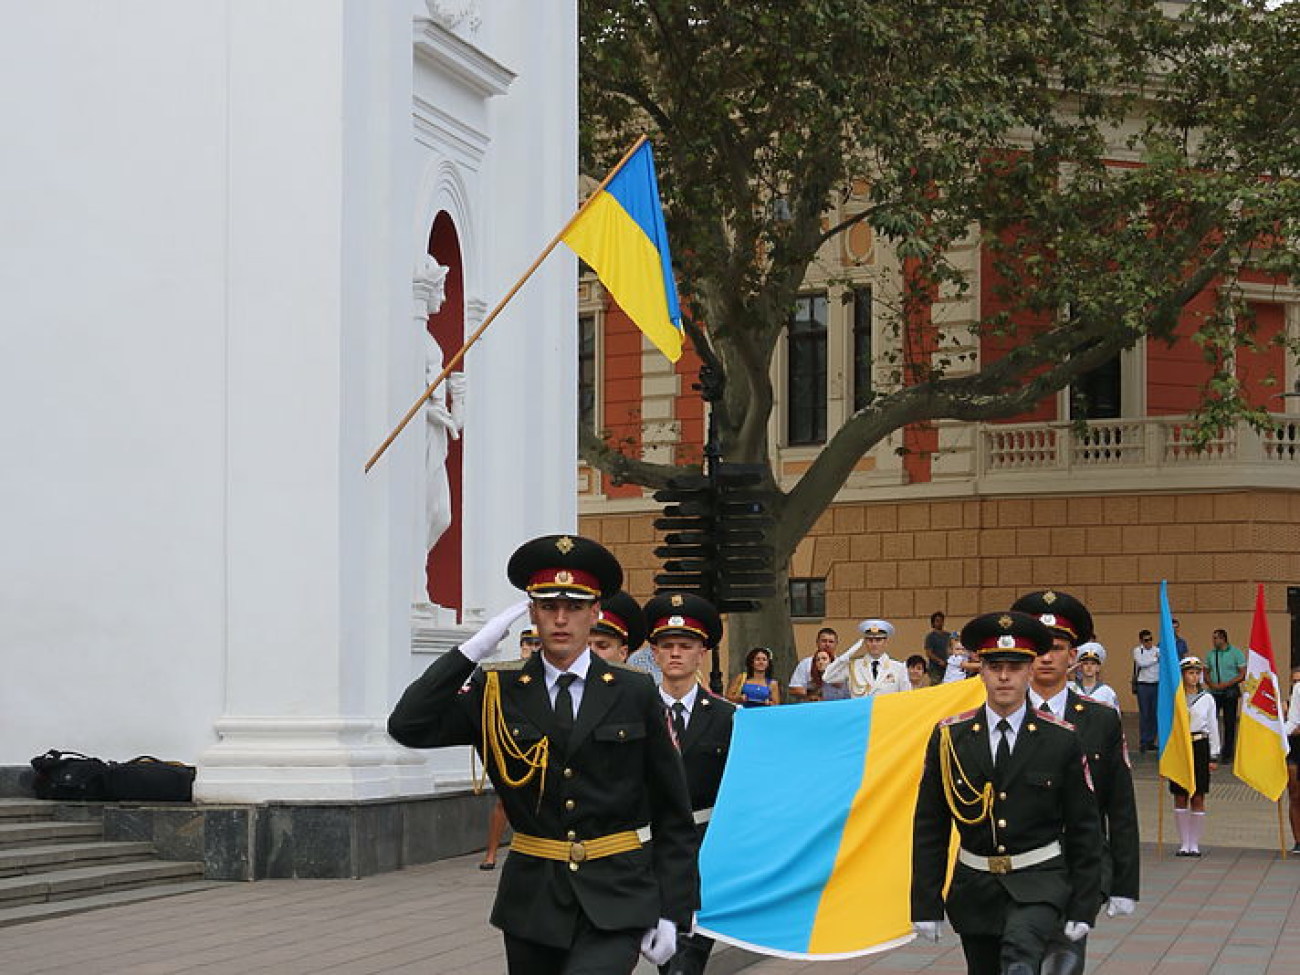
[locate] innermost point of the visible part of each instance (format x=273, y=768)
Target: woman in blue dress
x=755, y=688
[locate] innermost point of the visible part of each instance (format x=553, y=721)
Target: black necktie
x=1045, y=707
x=875, y=669
x=1003, y=754
x=564, y=703
x=679, y=720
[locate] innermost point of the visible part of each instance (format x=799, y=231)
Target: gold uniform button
x=573, y=866
x=1002, y=824
x=1002, y=796
x=622, y=733
x=571, y=836
x=570, y=805
x=568, y=773
x=1002, y=849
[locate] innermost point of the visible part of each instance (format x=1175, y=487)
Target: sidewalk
x=1235, y=911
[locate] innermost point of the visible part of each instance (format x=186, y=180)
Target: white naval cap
x=876, y=628
x=1095, y=649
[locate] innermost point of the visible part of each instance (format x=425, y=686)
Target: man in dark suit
x=683, y=629
x=582, y=757
x=1102, y=737
x=1015, y=785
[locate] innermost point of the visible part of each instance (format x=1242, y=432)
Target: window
x=1097, y=394
x=806, y=372
x=808, y=598
x=587, y=370
x=861, y=347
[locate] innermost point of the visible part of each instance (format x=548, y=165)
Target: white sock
x=1197, y=829
x=1184, y=829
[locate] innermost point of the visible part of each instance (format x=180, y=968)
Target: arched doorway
x=447, y=326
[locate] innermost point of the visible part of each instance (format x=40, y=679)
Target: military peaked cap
x=679, y=613
x=1006, y=636
x=621, y=616
x=1059, y=612
x=565, y=566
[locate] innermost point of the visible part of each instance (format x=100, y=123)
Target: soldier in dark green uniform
x=619, y=629
x=683, y=628
x=581, y=755
x=1015, y=784
x=1102, y=737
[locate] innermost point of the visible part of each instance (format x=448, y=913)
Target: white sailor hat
x=876, y=628
x=1092, y=649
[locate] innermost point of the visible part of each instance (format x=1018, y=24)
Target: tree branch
x=618, y=465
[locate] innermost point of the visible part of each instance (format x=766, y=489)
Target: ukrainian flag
x=1173, y=720
x=809, y=851
x=620, y=233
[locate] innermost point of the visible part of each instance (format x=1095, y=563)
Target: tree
x=1113, y=159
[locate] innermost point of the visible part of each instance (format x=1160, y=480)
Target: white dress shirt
x=1015, y=719
x=1147, y=660
x=578, y=668
x=687, y=701
x=1056, y=702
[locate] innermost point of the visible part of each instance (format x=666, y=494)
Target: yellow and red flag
x=1261, y=742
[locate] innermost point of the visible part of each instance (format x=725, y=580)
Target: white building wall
x=207, y=291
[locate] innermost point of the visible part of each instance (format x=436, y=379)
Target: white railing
x=1132, y=445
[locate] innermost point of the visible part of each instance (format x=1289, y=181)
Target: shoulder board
x=620, y=665
x=1051, y=719
x=503, y=665
x=956, y=718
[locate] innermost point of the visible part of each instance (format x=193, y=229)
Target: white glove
x=480, y=646
x=1077, y=930
x=1120, y=906
x=659, y=944
x=928, y=930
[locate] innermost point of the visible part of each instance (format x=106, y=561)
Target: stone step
x=36, y=888
x=65, y=856
x=43, y=833
x=26, y=810
x=93, y=902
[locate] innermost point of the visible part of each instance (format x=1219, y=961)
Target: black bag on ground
x=148, y=779
x=70, y=775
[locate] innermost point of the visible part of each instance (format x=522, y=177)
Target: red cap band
x=612, y=621
x=564, y=579
x=685, y=623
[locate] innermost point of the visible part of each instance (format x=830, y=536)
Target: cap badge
x=1047, y=619
x=564, y=577
x=565, y=544
x=607, y=677
x=1049, y=597
x=1005, y=622
x=525, y=679
x=1006, y=643
x=677, y=600
x=677, y=621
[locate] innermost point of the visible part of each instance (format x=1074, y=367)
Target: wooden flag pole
x=455, y=360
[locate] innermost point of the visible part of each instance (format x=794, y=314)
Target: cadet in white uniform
x=866, y=667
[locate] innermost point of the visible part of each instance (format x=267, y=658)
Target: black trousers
x=1065, y=957
x=692, y=955
x=1228, y=705
x=1020, y=948
x=593, y=952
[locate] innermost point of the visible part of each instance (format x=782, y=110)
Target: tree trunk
x=768, y=627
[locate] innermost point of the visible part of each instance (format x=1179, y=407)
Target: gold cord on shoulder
x=958, y=791
x=498, y=745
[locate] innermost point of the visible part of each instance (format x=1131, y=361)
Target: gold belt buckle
x=1000, y=864
x=577, y=852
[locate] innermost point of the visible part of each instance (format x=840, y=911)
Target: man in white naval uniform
x=866, y=667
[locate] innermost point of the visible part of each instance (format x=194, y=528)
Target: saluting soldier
x=683, y=629
x=866, y=666
x=619, y=629
x=1102, y=737
x=1015, y=784
x=582, y=756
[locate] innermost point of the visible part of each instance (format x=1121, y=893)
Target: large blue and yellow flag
x=809, y=851
x=1173, y=720
x=620, y=233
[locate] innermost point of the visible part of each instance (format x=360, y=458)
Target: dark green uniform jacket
x=704, y=747
x=620, y=770
x=1043, y=795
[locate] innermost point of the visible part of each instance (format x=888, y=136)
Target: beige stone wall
x=903, y=560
